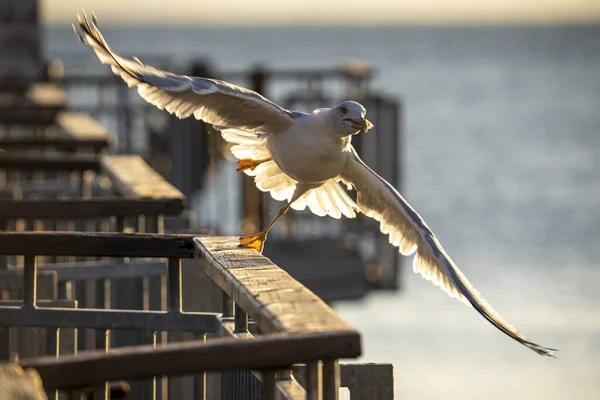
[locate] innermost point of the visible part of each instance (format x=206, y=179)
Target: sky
x=316, y=12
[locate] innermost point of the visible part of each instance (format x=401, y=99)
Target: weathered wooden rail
x=296, y=326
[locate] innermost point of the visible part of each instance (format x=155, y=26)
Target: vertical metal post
x=331, y=379
x=174, y=303
x=157, y=300
x=240, y=320
x=120, y=224
x=153, y=382
x=199, y=389
x=3, y=258
x=84, y=188
x=106, y=348
x=268, y=385
x=227, y=306
x=174, y=280
x=29, y=282
x=313, y=381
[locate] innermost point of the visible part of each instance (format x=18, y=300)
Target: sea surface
x=501, y=158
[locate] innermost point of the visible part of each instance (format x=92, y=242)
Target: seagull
x=303, y=159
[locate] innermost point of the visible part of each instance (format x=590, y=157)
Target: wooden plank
x=96, y=244
x=88, y=208
x=138, y=362
x=50, y=162
x=132, y=176
x=16, y=383
x=275, y=300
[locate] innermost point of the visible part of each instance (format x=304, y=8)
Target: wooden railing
x=295, y=325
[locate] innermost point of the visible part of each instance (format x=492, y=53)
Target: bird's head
x=349, y=118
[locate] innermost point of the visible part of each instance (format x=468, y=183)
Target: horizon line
x=149, y=23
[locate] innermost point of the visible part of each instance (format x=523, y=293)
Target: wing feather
x=213, y=101
x=377, y=199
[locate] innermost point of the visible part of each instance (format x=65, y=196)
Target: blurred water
x=501, y=159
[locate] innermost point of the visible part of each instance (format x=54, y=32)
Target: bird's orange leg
x=247, y=163
x=257, y=241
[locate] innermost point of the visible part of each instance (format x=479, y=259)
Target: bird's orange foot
x=256, y=241
x=247, y=163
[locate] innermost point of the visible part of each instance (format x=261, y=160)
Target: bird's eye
x=344, y=110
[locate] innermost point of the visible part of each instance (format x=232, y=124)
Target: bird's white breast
x=309, y=151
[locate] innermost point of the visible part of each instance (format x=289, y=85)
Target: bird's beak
x=361, y=124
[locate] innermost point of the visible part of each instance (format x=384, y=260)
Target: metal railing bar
x=174, y=285
x=50, y=162
x=105, y=270
x=60, y=303
x=80, y=271
x=29, y=282
x=96, y=244
x=287, y=385
x=109, y=319
x=268, y=352
x=96, y=207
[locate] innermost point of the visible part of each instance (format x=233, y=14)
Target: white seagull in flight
x=301, y=158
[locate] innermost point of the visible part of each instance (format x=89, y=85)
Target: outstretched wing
x=213, y=101
x=377, y=199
